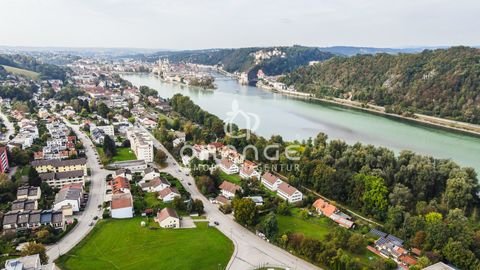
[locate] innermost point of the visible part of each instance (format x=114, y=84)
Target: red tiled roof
x=119, y=183
x=121, y=200
x=407, y=259
x=270, y=178
x=230, y=187
x=287, y=189
x=165, y=213
x=166, y=191
x=323, y=206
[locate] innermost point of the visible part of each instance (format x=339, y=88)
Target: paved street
x=250, y=250
x=8, y=125
x=97, y=189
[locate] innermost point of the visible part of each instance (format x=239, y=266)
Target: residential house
x=289, y=193
x=28, y=192
x=439, y=266
x=248, y=170
x=122, y=205
x=69, y=199
x=228, y=189
x=168, y=218
x=120, y=185
x=126, y=173
x=155, y=185
x=271, y=181
x=332, y=212
x=200, y=152
x=168, y=194
x=24, y=205
x=228, y=166
x=55, y=165
x=149, y=174
x=59, y=179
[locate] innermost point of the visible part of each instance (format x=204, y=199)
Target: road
x=250, y=250
x=96, y=197
x=9, y=125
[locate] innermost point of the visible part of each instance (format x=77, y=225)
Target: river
x=296, y=119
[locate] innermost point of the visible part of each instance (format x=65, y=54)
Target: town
x=95, y=147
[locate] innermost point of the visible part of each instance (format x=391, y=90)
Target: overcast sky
x=183, y=24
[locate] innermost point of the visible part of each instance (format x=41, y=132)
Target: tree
x=33, y=248
x=269, y=225
x=458, y=193
x=245, y=211
x=109, y=147
x=401, y=195
x=103, y=110
x=198, y=206
x=463, y=258
x=160, y=156
x=33, y=177
x=375, y=196
x=179, y=204
x=356, y=243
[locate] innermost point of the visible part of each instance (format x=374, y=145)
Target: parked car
x=216, y=223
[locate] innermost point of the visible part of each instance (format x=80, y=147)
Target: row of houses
x=282, y=189
x=27, y=133
x=57, y=173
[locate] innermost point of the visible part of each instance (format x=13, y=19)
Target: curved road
x=96, y=197
x=250, y=250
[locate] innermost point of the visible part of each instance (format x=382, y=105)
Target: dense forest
x=242, y=59
x=431, y=203
x=47, y=71
x=443, y=83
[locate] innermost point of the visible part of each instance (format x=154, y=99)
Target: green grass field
x=317, y=228
x=124, y=153
x=313, y=227
x=124, y=244
x=22, y=72
x=232, y=178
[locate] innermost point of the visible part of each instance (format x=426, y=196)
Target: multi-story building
x=59, y=179
x=4, y=166
x=289, y=193
x=141, y=144
x=55, y=165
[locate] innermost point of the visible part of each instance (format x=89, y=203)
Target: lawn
x=124, y=244
x=313, y=227
x=232, y=178
x=124, y=153
x=22, y=72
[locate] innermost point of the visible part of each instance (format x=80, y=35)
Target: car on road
x=189, y=184
x=216, y=223
x=187, y=174
x=91, y=224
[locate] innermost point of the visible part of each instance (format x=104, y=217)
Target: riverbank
x=423, y=119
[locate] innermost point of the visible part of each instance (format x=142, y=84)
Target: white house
x=271, y=181
x=122, y=205
x=70, y=196
x=168, y=194
x=149, y=174
x=125, y=173
x=168, y=218
x=155, y=185
x=248, y=170
x=228, y=189
x=289, y=193
x=200, y=152
x=228, y=166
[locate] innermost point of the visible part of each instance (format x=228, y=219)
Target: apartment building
x=141, y=144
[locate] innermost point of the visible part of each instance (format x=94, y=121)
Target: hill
x=443, y=83
x=272, y=60
x=22, y=72
x=45, y=71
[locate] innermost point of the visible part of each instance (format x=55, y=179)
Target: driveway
x=250, y=250
x=97, y=191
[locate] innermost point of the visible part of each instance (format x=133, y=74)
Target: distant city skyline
x=190, y=24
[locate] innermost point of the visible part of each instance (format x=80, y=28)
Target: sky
x=194, y=24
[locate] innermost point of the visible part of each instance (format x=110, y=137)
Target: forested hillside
x=443, y=83
x=47, y=71
x=242, y=59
